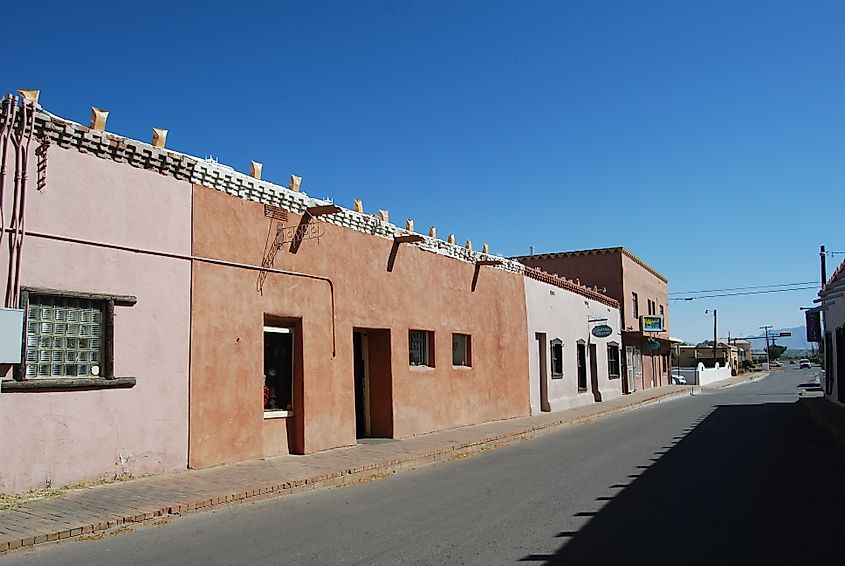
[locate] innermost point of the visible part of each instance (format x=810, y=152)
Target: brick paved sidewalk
x=103, y=507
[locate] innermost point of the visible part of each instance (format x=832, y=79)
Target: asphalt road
x=731, y=476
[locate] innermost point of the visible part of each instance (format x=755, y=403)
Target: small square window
x=421, y=348
x=53, y=347
x=557, y=358
x=461, y=350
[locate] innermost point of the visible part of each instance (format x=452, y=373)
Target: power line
x=815, y=286
x=742, y=288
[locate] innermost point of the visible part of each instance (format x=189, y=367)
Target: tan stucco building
x=643, y=296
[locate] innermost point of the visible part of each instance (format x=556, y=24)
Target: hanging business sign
x=602, y=331
x=651, y=344
x=814, y=326
x=651, y=323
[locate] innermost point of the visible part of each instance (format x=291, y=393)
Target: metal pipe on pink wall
x=27, y=136
x=210, y=260
x=9, y=113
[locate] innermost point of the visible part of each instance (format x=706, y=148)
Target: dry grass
x=14, y=500
x=103, y=534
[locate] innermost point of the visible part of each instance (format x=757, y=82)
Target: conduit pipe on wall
x=209, y=260
x=21, y=138
x=7, y=119
x=22, y=148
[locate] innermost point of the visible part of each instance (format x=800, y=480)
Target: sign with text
x=651, y=323
x=602, y=331
x=814, y=326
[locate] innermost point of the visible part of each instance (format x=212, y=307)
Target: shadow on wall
x=779, y=498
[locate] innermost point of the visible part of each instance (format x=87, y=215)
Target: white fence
x=702, y=376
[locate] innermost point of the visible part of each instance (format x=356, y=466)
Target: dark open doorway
x=544, y=372
x=594, y=373
x=373, y=383
x=582, y=367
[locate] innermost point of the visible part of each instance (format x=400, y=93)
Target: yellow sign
x=651, y=323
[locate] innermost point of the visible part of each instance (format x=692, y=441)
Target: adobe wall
x=603, y=270
x=70, y=436
x=424, y=290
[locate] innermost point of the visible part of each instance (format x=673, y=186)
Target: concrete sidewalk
x=827, y=414
x=750, y=377
x=99, y=508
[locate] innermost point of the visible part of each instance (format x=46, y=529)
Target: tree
x=776, y=351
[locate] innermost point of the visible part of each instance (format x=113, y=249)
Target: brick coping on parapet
x=338, y=478
x=67, y=134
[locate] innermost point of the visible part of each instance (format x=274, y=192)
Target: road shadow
x=750, y=484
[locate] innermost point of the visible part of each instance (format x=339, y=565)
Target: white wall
x=563, y=314
x=833, y=318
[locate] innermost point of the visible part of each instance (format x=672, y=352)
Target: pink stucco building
x=107, y=317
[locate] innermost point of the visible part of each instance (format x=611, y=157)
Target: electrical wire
x=741, y=294
x=741, y=288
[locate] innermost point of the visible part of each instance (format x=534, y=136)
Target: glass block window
x=64, y=337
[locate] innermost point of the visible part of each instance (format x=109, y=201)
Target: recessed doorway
x=373, y=383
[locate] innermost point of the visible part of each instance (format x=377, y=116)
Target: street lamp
x=715, y=338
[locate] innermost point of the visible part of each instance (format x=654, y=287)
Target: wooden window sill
x=66, y=384
x=277, y=414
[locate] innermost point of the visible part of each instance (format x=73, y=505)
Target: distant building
x=643, y=297
x=691, y=356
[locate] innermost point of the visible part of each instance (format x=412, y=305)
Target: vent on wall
x=275, y=213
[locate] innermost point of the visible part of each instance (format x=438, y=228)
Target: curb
x=752, y=379
x=341, y=478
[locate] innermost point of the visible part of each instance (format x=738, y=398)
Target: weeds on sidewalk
x=15, y=500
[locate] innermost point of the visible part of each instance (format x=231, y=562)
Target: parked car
x=679, y=380
x=775, y=364
x=804, y=363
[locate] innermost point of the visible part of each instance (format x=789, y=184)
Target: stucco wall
x=603, y=270
x=834, y=317
x=70, y=436
x=564, y=315
x=423, y=291
x=637, y=279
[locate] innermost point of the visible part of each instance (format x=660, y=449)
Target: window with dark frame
x=421, y=348
x=635, y=305
x=278, y=368
x=461, y=350
x=557, y=358
x=65, y=337
x=612, y=361
x=661, y=310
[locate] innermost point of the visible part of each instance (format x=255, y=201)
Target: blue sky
x=706, y=136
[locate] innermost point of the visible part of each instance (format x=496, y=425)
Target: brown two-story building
x=643, y=295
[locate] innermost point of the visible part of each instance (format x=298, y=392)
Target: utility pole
x=715, y=338
x=822, y=257
x=766, y=328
